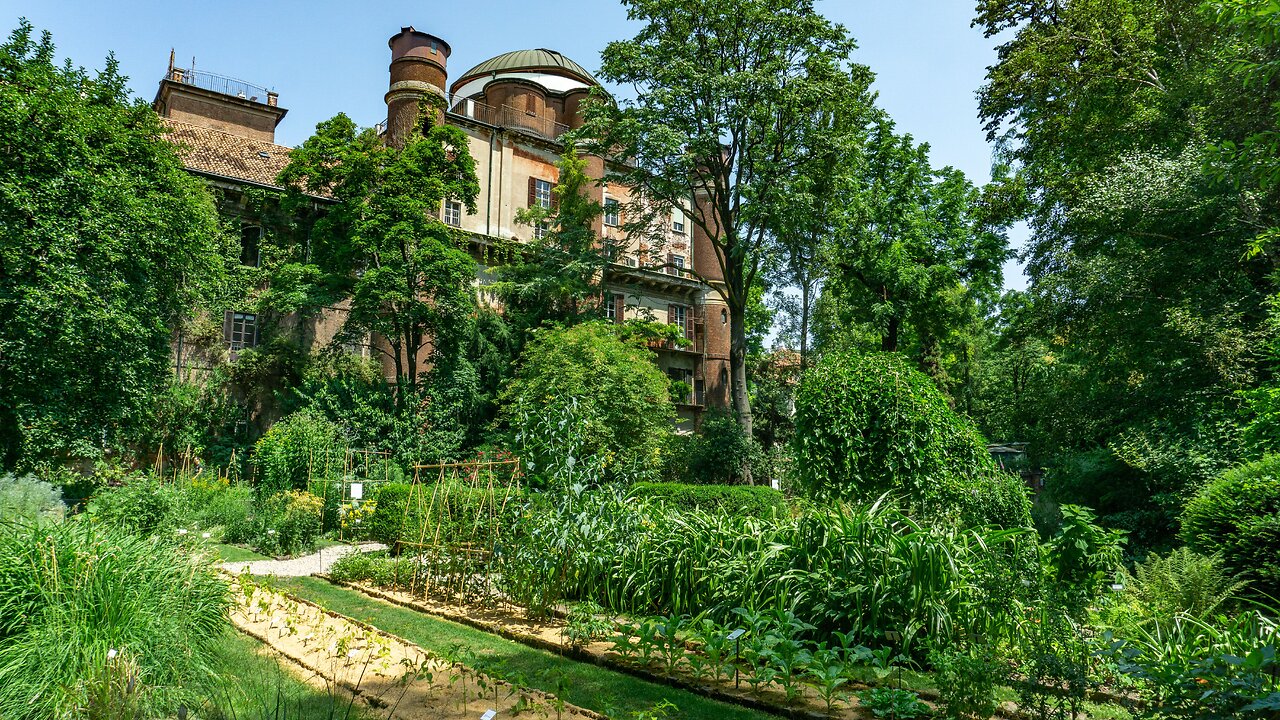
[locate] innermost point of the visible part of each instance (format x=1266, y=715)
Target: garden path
x=303, y=565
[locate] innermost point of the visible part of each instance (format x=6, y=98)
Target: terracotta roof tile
x=231, y=156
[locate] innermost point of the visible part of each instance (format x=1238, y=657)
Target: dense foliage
x=869, y=425
x=588, y=395
x=103, y=622
x=104, y=241
x=1237, y=516
x=295, y=450
x=739, y=501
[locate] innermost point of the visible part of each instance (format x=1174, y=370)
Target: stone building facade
x=514, y=108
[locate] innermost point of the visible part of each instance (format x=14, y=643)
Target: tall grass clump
x=98, y=622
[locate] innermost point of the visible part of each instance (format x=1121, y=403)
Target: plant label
x=489, y=715
x=737, y=634
x=357, y=491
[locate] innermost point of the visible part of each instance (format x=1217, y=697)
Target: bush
x=735, y=500
x=300, y=447
x=142, y=504
x=1182, y=583
x=71, y=593
x=867, y=425
x=452, y=512
x=27, y=498
x=584, y=393
x=967, y=680
x=719, y=453
x=1238, y=516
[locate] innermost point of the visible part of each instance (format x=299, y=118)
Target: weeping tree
x=727, y=93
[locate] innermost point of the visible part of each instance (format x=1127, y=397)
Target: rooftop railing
x=507, y=117
x=225, y=85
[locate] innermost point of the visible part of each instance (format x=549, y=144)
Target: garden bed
x=383, y=671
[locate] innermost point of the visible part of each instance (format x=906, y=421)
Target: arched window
x=724, y=316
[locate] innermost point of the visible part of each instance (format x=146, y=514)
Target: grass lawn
x=583, y=684
x=253, y=686
x=235, y=553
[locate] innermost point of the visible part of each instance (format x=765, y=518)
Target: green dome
x=540, y=59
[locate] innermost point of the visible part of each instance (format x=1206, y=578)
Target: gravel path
x=300, y=566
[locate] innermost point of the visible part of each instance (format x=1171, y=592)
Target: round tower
x=418, y=72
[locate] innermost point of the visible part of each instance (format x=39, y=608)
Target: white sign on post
x=490, y=715
x=357, y=491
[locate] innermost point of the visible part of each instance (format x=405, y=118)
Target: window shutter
x=688, y=323
x=619, y=307
x=555, y=198
x=533, y=191
x=671, y=314
x=226, y=327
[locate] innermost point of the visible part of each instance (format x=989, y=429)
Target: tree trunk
x=804, y=326
x=738, y=369
x=889, y=341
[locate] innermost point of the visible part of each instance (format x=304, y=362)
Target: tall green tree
x=1147, y=287
x=382, y=243
x=917, y=252
x=727, y=92
x=557, y=276
x=105, y=241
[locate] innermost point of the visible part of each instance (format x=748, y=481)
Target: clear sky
x=328, y=57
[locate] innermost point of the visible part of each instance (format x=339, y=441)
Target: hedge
x=1238, y=516
x=739, y=500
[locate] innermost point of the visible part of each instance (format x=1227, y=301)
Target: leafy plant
x=829, y=674
x=966, y=679
x=27, y=498
x=893, y=703
x=867, y=425
x=1238, y=516
x=585, y=624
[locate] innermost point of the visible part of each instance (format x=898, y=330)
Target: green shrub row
x=736, y=500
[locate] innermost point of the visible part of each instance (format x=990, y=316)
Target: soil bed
x=400, y=679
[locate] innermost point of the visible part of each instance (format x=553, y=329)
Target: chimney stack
x=417, y=73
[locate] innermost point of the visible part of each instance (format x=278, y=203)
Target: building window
x=677, y=225
x=724, y=316
x=250, y=243
x=453, y=213
x=684, y=377
x=612, y=215
x=615, y=308
x=541, y=194
x=240, y=330
x=677, y=265
x=631, y=260
x=679, y=315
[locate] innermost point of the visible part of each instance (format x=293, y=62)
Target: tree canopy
x=105, y=241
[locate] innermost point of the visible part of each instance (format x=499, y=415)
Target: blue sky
x=329, y=57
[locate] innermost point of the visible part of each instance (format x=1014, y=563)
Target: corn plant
x=716, y=647
x=670, y=646
x=790, y=659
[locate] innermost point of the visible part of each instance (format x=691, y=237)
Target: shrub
x=29, y=499
x=1238, y=516
x=450, y=512
x=391, y=501
x=142, y=505
x=739, y=501
x=893, y=703
x=216, y=503
x=720, y=452
x=70, y=593
x=296, y=449
x=966, y=680
x=867, y=425
x=1183, y=582
x=621, y=403
x=295, y=518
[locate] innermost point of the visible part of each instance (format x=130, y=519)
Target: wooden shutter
x=555, y=198
x=671, y=263
x=688, y=323
x=227, y=324
x=671, y=314
x=533, y=191
x=619, y=307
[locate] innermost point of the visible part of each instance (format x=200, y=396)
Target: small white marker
x=111, y=654
x=736, y=634
x=489, y=715
x=206, y=536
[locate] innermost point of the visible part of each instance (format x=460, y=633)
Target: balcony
x=225, y=85
x=507, y=117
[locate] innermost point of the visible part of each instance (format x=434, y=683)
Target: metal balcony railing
x=507, y=117
x=225, y=85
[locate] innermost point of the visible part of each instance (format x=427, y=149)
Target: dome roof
x=521, y=60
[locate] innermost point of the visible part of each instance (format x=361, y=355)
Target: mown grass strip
x=235, y=553
x=253, y=685
x=612, y=693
